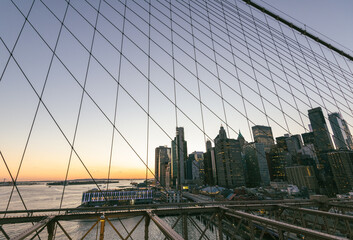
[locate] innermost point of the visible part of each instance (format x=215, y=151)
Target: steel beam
x=281, y=225
x=51, y=229
x=300, y=30
x=185, y=226
x=220, y=226
x=318, y=212
x=147, y=224
x=3, y=232
x=57, y=211
x=164, y=227
x=39, y=225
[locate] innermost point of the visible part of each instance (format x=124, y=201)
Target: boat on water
x=94, y=197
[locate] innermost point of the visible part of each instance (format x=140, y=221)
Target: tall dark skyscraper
x=342, y=168
x=278, y=159
x=263, y=134
x=256, y=165
x=210, y=165
x=162, y=158
x=229, y=164
x=179, y=157
x=341, y=135
x=323, y=145
x=322, y=138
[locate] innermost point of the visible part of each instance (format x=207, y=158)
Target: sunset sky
x=48, y=152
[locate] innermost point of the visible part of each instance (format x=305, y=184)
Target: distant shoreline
x=71, y=182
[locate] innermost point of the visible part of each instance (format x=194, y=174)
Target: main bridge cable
x=296, y=105
x=264, y=30
x=305, y=26
x=265, y=86
x=294, y=78
x=307, y=96
x=302, y=31
x=286, y=43
x=246, y=15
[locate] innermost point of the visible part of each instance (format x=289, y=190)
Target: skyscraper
x=278, y=159
x=322, y=138
x=195, y=168
x=210, y=165
x=256, y=165
x=303, y=176
x=341, y=135
x=308, y=138
x=263, y=134
x=162, y=158
x=323, y=145
x=229, y=164
x=179, y=157
x=342, y=168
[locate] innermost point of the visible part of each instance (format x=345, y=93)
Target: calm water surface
x=42, y=196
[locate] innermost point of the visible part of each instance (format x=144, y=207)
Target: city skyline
x=196, y=90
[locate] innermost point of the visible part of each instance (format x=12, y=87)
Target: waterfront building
x=263, y=134
x=341, y=135
x=229, y=164
x=162, y=158
x=178, y=158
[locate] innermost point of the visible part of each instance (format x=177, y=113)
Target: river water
x=42, y=196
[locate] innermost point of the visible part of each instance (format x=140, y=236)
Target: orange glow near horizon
x=57, y=173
